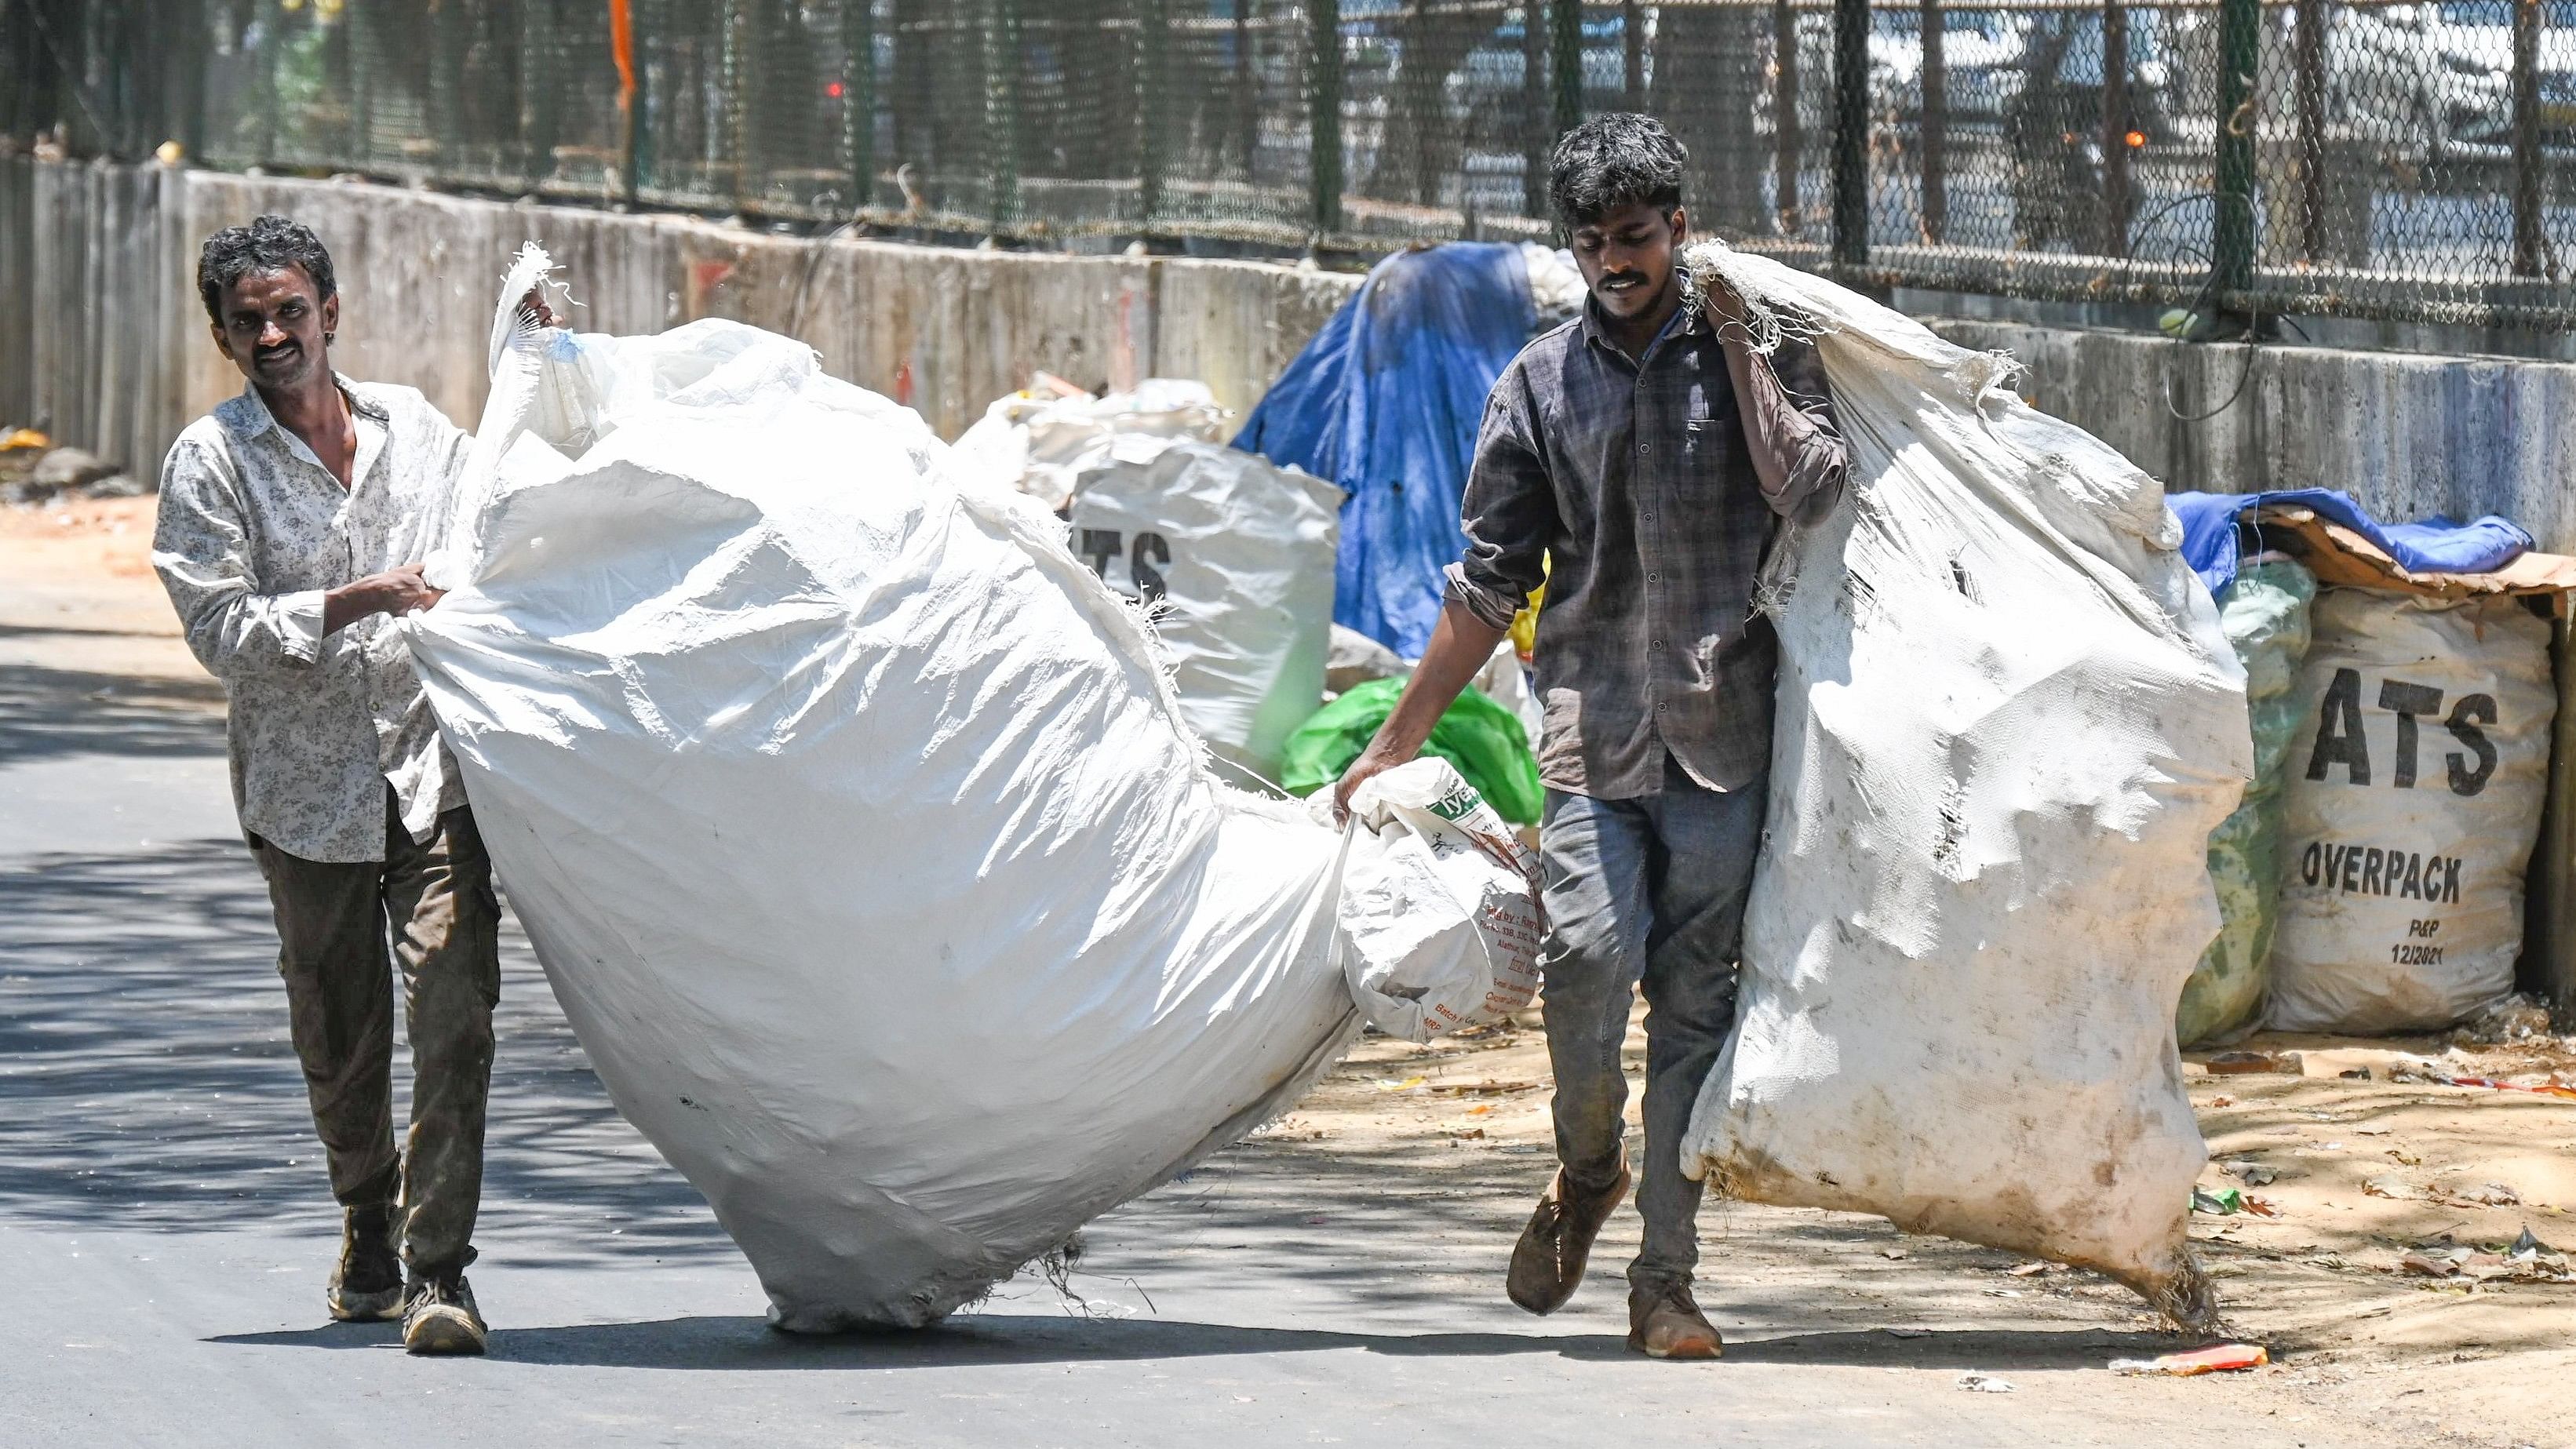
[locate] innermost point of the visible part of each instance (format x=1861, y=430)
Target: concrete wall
x=2410, y=435
x=102, y=335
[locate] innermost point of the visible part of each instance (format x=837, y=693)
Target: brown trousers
x=435, y=900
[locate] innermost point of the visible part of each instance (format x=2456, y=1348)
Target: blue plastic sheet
x=1385, y=402
x=2437, y=545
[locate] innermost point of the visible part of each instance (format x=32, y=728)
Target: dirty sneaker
x=367, y=1283
x=1549, y=1259
x=1664, y=1322
x=439, y=1317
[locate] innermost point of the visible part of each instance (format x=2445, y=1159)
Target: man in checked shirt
x=1647, y=451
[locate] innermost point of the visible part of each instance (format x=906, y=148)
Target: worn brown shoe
x=1548, y=1261
x=439, y=1317
x=1664, y=1322
x=367, y=1283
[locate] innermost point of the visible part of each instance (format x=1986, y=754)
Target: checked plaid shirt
x=1635, y=478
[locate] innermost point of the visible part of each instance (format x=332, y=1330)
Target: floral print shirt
x=253, y=530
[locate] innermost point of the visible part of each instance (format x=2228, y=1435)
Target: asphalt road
x=165, y=1230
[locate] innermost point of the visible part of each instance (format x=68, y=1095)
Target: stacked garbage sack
x=2404, y=714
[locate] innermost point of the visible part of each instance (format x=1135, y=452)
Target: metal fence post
x=1851, y=133
x=859, y=99
x=1535, y=111
x=1002, y=110
x=1632, y=57
x=736, y=79
x=1247, y=95
x=1934, y=145
x=540, y=93
x=639, y=136
x=2308, y=59
x=1324, y=115
x=2117, y=203
x=1786, y=138
x=2231, y=241
x=1153, y=47
x=1565, y=68
x=2530, y=243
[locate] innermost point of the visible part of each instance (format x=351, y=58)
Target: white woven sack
x=2412, y=801
x=1234, y=555
x=2007, y=724
x=855, y=824
x=1439, y=905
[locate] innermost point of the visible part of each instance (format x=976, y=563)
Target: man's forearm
x=349, y=603
x=1460, y=645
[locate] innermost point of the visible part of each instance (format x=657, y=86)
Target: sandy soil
x=77, y=593
x=2357, y=1173
x=2356, y=1338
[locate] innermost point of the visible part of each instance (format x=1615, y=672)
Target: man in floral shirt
x=292, y=521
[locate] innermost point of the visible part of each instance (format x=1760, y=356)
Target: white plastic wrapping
x=855, y=824
x=1234, y=555
x=1439, y=905
x=2007, y=723
x=2413, y=800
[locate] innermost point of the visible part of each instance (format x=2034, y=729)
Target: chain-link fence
x=2404, y=161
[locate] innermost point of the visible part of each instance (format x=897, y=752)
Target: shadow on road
x=150, y=1082
x=979, y=1341
x=45, y=713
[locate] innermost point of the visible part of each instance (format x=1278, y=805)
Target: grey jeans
x=432, y=903
x=1647, y=891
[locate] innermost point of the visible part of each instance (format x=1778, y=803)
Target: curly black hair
x=1611, y=161
x=269, y=244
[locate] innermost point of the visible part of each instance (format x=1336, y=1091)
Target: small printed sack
x=1439, y=910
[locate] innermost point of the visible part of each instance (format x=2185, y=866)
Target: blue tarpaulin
x=2436, y=545
x=1385, y=401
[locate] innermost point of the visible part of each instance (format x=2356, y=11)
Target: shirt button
x=1645, y=447
x=1655, y=643
x=1654, y=578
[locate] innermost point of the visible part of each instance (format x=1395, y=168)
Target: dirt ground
x=77, y=593
x=2350, y=1175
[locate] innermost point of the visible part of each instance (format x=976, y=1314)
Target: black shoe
x=439, y=1317
x=367, y=1283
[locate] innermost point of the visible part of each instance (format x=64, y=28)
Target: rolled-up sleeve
x=1799, y=455
x=201, y=550
x=1509, y=513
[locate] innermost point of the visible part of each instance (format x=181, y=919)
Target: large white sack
x=1440, y=904
x=2007, y=722
x=855, y=824
x=2413, y=800
x=1235, y=556
x=1043, y=446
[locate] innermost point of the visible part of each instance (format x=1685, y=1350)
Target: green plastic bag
x=2265, y=614
x=1483, y=739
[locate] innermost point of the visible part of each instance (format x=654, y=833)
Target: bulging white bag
x=854, y=822
x=1234, y=554
x=2413, y=800
x=1043, y=446
x=1440, y=905
x=2007, y=723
